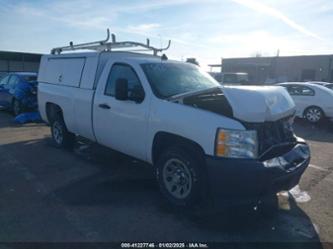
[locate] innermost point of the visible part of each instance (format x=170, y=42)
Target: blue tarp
x=23, y=94
x=28, y=117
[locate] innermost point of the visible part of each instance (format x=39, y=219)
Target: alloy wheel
x=313, y=115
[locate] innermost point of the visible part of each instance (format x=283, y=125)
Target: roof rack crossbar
x=104, y=45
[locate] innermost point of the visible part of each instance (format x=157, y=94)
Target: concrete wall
x=280, y=69
x=18, y=66
x=18, y=62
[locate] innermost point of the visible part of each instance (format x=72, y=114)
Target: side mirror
x=121, y=89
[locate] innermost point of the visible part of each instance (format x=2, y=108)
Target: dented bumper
x=244, y=180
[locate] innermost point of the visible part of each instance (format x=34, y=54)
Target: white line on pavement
x=317, y=167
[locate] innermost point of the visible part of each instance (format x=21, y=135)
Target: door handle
x=104, y=106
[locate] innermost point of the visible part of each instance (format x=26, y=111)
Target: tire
x=180, y=176
x=313, y=114
x=17, y=107
x=61, y=137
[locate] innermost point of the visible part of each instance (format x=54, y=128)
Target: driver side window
x=4, y=81
x=297, y=90
x=12, y=83
x=122, y=71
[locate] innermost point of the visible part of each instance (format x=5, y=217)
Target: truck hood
x=259, y=103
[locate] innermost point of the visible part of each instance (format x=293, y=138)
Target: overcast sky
x=205, y=29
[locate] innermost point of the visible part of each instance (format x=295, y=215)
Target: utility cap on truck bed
x=104, y=45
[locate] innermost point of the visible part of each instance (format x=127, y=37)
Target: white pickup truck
x=227, y=143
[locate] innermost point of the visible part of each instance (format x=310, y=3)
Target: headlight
x=236, y=143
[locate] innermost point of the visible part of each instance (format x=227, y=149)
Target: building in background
x=276, y=69
x=18, y=62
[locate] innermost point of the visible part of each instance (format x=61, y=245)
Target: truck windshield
x=168, y=79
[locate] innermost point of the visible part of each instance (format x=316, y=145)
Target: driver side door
x=121, y=124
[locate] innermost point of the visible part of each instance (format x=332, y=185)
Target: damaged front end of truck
x=279, y=158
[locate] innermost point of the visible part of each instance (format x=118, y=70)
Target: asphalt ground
x=96, y=195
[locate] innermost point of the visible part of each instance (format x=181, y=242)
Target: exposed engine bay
x=265, y=114
x=212, y=100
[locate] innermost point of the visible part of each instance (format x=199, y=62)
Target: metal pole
x=329, y=70
x=221, y=63
x=23, y=63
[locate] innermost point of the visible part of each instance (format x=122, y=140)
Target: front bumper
x=237, y=181
x=329, y=112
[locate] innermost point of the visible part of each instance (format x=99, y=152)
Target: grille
x=272, y=134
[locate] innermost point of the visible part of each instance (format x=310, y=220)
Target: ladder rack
x=105, y=45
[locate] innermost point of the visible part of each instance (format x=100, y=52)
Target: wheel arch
x=52, y=111
x=163, y=140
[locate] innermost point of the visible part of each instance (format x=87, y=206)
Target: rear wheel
x=61, y=137
x=313, y=114
x=17, y=107
x=179, y=175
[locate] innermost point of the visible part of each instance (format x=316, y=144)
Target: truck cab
x=203, y=139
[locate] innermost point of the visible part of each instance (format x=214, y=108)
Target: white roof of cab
x=135, y=56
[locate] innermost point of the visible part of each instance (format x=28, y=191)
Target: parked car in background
x=18, y=92
x=313, y=101
x=325, y=84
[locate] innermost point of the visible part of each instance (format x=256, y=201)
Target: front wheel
x=61, y=137
x=180, y=176
x=313, y=114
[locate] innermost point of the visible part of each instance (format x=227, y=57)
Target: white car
x=325, y=84
x=313, y=101
x=229, y=143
